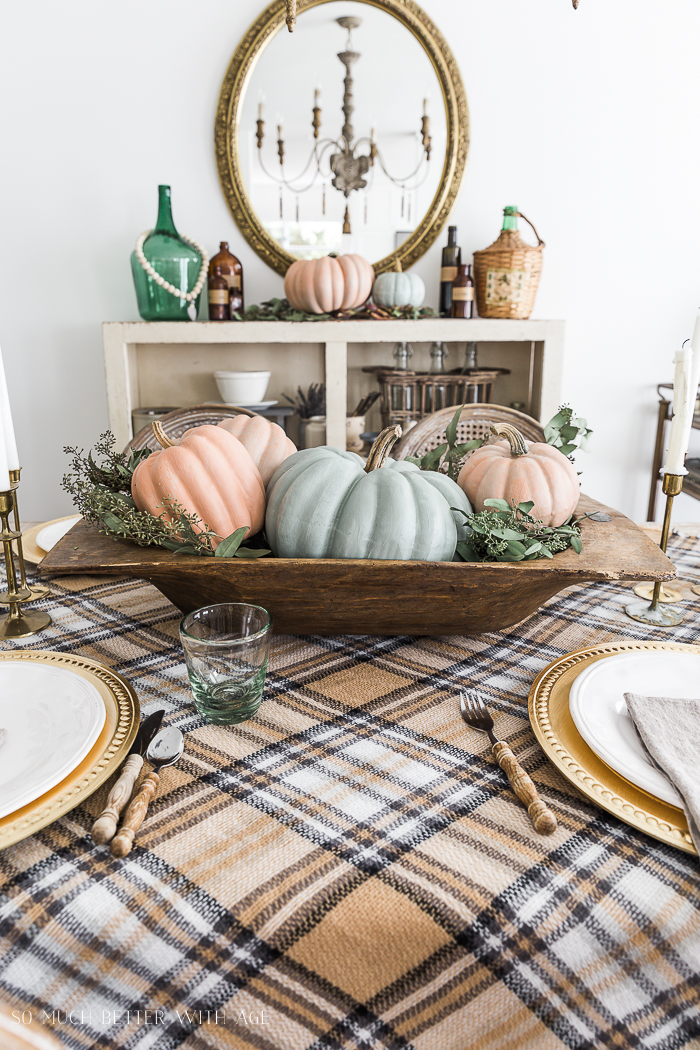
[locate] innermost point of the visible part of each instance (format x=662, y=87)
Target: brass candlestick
x=35, y=591
x=17, y=624
x=652, y=614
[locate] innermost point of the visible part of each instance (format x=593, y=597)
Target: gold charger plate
x=108, y=752
x=548, y=705
x=33, y=553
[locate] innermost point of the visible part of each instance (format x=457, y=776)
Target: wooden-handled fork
x=476, y=715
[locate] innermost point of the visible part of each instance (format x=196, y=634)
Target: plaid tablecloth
x=349, y=869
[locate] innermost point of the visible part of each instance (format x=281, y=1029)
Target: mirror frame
x=268, y=24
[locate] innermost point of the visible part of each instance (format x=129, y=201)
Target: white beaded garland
x=189, y=296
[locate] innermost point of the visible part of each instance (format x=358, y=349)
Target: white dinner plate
x=52, y=717
x=48, y=538
x=597, y=705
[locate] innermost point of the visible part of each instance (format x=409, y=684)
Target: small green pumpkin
x=325, y=503
x=398, y=289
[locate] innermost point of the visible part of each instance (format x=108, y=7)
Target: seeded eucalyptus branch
x=101, y=492
x=505, y=533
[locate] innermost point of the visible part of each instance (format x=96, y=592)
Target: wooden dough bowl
x=308, y=596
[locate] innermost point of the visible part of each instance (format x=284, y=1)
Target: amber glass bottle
x=232, y=271
x=218, y=296
x=463, y=292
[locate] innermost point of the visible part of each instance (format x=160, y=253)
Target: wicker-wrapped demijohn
x=508, y=272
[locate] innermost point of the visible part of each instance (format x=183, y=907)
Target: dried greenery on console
x=504, y=533
x=282, y=310
x=101, y=492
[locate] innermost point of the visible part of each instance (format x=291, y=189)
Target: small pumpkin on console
x=209, y=473
x=266, y=441
x=334, y=282
x=519, y=472
x=396, y=288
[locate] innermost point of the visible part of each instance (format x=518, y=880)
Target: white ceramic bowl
x=242, y=388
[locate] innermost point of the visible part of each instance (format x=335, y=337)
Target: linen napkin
x=669, y=729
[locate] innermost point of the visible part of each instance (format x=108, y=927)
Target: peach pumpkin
x=334, y=282
x=517, y=472
x=210, y=473
x=266, y=442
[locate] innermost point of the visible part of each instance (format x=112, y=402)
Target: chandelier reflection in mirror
x=345, y=161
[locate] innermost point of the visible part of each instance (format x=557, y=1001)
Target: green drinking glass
x=174, y=260
x=226, y=651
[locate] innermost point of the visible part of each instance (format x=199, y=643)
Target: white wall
x=587, y=120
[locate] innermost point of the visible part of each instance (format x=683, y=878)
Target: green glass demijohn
x=174, y=260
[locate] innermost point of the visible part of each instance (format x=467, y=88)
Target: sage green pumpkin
x=398, y=289
x=322, y=503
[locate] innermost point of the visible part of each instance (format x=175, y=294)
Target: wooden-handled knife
x=105, y=826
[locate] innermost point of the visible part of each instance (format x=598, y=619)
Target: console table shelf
x=172, y=362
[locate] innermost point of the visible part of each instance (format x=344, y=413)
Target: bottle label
x=218, y=296
x=462, y=295
x=448, y=273
x=505, y=286
x=233, y=280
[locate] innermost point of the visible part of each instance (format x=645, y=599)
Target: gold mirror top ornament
x=226, y=129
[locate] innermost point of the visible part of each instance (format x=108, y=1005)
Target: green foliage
x=504, y=533
x=101, y=492
x=448, y=457
x=564, y=431
x=282, y=310
x=567, y=432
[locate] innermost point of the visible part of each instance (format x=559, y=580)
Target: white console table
x=172, y=362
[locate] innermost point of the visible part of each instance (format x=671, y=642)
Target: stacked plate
x=39, y=540
x=579, y=715
x=66, y=723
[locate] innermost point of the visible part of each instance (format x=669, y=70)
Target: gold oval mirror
x=350, y=135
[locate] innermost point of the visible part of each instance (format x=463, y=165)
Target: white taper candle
x=695, y=371
x=4, y=470
x=10, y=458
x=682, y=412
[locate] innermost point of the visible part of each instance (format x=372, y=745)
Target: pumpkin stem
x=397, y=266
x=382, y=447
x=161, y=437
x=518, y=446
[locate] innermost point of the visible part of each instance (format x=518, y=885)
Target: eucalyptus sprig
x=448, y=457
x=101, y=492
x=567, y=432
x=505, y=533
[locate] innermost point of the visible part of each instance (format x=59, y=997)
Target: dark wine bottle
x=451, y=259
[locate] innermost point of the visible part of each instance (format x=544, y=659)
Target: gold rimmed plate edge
x=103, y=759
x=551, y=721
